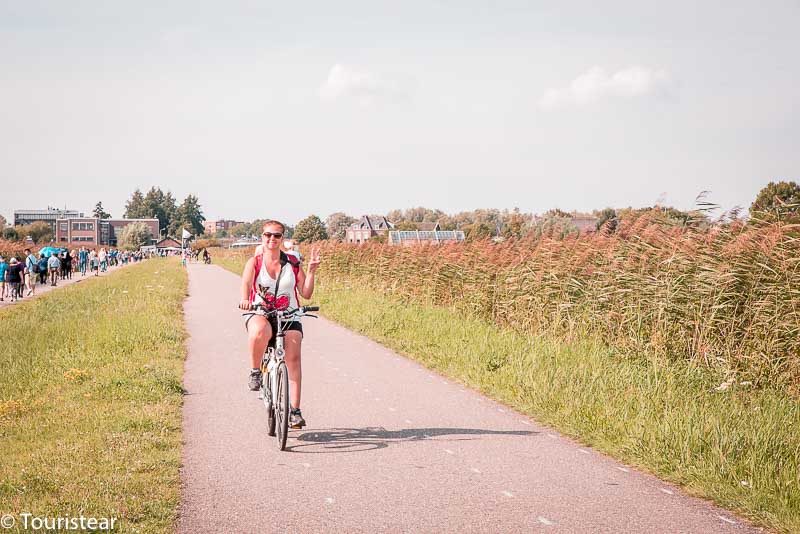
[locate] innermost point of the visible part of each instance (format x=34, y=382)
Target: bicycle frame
x=274, y=375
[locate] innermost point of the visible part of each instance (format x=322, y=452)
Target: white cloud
x=596, y=84
x=347, y=83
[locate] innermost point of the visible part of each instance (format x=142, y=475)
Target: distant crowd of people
x=18, y=277
x=188, y=254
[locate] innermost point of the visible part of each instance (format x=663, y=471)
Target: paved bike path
x=390, y=447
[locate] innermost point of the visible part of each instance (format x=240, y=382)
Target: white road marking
x=622, y=469
x=668, y=492
x=392, y=409
x=448, y=451
x=508, y=494
x=501, y=410
x=544, y=520
x=475, y=470
x=553, y=436
x=377, y=398
x=525, y=423
x=306, y=465
x=584, y=451
x=444, y=381
x=731, y=521
x=329, y=500
x=408, y=421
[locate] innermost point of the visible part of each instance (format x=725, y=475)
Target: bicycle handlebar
x=285, y=313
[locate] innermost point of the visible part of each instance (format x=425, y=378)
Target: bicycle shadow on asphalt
x=371, y=438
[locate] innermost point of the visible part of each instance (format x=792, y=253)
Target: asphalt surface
x=390, y=447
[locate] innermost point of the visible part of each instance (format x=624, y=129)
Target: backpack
x=285, y=258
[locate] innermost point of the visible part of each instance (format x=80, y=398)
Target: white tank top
x=266, y=284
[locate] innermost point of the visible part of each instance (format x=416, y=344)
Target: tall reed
x=725, y=297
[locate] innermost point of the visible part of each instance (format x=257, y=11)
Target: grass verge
x=738, y=447
x=90, y=399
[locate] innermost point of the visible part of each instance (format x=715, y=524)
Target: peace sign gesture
x=315, y=260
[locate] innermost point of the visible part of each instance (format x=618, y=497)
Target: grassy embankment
x=90, y=399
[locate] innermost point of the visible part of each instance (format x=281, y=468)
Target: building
x=212, y=227
x=97, y=232
x=50, y=216
x=369, y=226
x=425, y=237
x=428, y=226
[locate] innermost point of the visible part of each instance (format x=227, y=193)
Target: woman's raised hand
x=315, y=260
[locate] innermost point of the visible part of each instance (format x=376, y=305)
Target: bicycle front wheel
x=266, y=394
x=282, y=406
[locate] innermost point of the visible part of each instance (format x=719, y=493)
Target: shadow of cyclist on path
x=362, y=439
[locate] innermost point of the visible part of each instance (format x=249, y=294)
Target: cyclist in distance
x=276, y=267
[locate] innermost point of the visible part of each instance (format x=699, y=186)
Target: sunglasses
x=270, y=234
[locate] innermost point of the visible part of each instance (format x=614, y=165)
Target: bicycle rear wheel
x=282, y=406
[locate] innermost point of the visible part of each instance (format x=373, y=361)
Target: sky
x=285, y=109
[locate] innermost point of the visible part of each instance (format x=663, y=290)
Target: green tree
x=189, y=216
x=778, y=201
x=158, y=205
x=240, y=230
x=406, y=225
x=99, y=212
x=310, y=229
x=337, y=223
x=134, y=235
x=10, y=234
x=555, y=227
x=478, y=230
x=38, y=231
x=515, y=225
x=134, y=207
x=607, y=219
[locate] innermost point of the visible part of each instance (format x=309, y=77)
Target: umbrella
x=48, y=251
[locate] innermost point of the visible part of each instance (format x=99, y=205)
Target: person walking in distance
x=31, y=265
x=3, y=269
x=42, y=269
x=94, y=264
x=102, y=257
x=83, y=259
x=14, y=276
x=53, y=266
x=273, y=273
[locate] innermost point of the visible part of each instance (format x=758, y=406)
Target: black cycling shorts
x=287, y=327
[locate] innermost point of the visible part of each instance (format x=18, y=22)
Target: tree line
x=776, y=201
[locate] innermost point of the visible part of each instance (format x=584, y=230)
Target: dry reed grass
x=726, y=297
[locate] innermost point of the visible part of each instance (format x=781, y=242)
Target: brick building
x=212, y=227
x=97, y=232
x=50, y=216
x=369, y=226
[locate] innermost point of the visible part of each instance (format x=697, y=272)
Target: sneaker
x=255, y=380
x=296, y=419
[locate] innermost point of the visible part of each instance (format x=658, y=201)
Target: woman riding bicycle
x=258, y=288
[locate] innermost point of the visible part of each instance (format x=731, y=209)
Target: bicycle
x=274, y=375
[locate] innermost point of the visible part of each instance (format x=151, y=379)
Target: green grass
x=738, y=447
x=91, y=396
